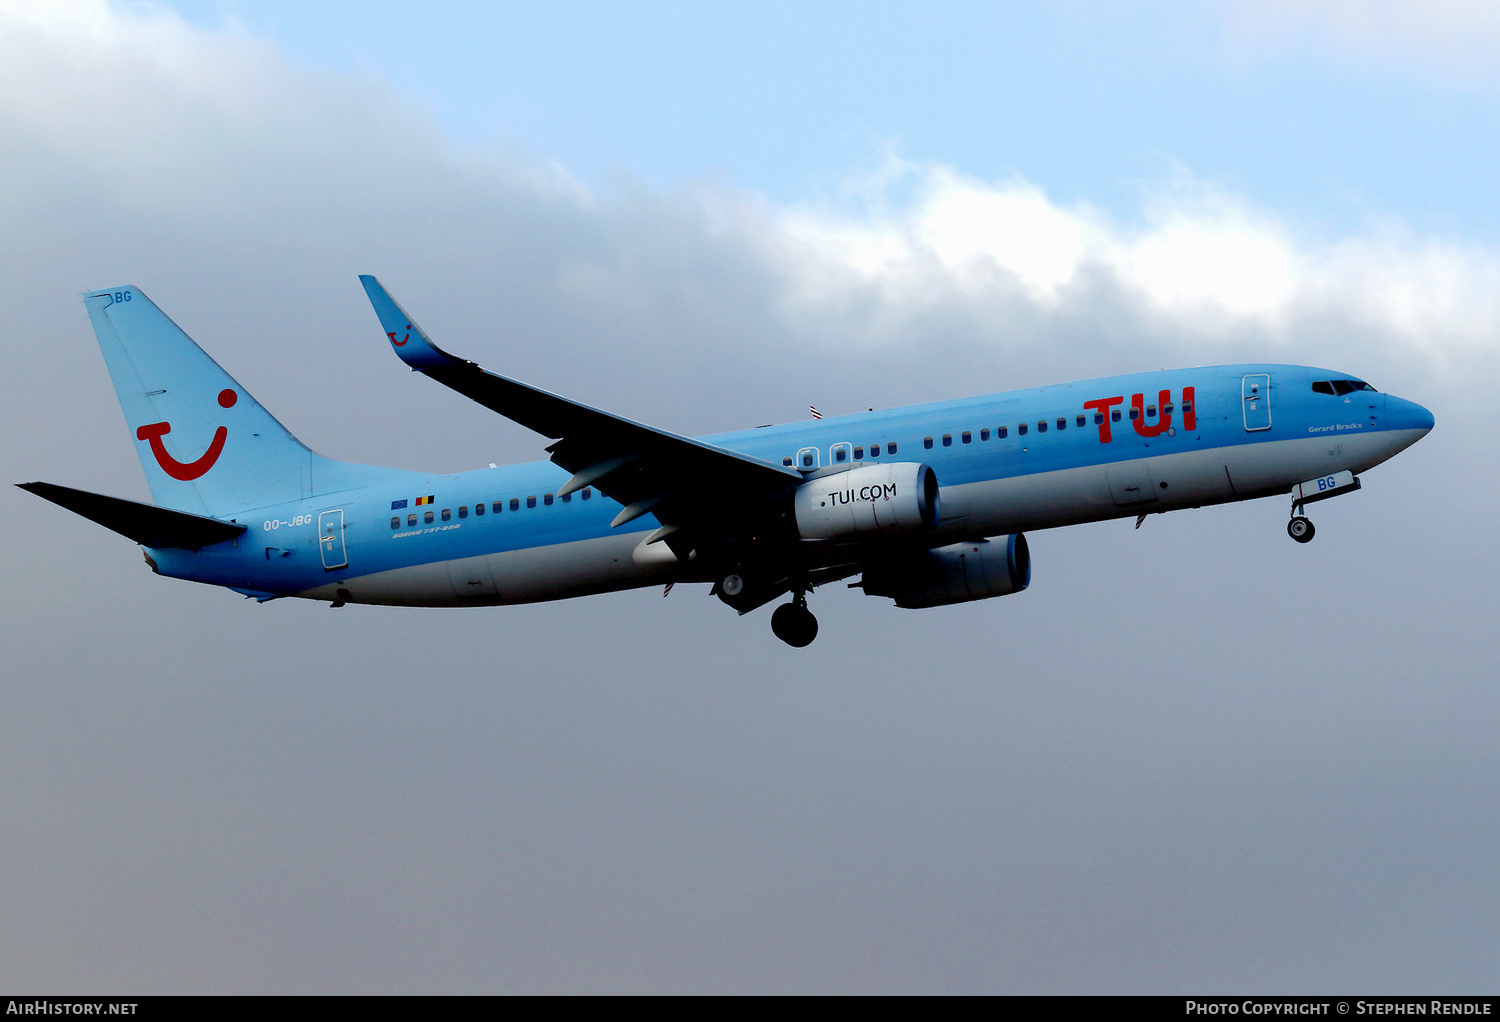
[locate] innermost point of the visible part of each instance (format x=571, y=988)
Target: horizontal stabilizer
x=147, y=524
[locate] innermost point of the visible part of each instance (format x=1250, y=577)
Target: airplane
x=929, y=504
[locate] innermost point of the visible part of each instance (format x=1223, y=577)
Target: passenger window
x=840, y=453
x=479, y=509
x=515, y=503
x=531, y=501
x=1041, y=427
x=587, y=493
x=1166, y=409
x=396, y=522
x=1114, y=415
x=1021, y=429
x=566, y=498
x=1002, y=432
x=787, y=462
x=927, y=443
x=947, y=439
x=427, y=518
x=1135, y=413
x=859, y=454
x=463, y=511
x=984, y=434
x=547, y=499
x=1150, y=409
x=1099, y=418
x=966, y=436
x=1187, y=406
x=890, y=448
x=807, y=460
x=497, y=506
x=1062, y=423
x=1081, y=421
x=874, y=450
x=411, y=519
x=447, y=514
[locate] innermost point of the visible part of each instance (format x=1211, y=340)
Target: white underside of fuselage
x=1019, y=503
x=557, y=572
x=1167, y=482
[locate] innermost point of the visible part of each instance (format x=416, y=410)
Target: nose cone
x=1407, y=415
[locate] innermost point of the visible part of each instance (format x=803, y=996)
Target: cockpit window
x=1340, y=386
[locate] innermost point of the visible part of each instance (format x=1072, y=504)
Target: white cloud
x=217, y=135
x=1203, y=262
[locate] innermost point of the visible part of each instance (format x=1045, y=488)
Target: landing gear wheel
x=732, y=585
x=1301, y=529
x=794, y=624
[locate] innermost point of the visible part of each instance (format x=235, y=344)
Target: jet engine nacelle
x=891, y=498
x=956, y=573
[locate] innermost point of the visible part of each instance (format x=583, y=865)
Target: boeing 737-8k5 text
x=928, y=505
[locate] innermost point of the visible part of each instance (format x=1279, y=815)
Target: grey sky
x=1193, y=757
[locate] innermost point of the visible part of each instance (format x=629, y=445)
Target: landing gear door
x=331, y=540
x=1255, y=396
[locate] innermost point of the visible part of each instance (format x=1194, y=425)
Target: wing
x=690, y=486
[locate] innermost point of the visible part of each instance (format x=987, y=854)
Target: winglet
x=407, y=339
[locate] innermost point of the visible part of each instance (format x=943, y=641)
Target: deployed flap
x=147, y=524
x=648, y=470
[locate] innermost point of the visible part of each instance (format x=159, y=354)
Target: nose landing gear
x=1300, y=529
x=793, y=623
x=1321, y=488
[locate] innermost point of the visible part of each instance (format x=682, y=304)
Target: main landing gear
x=793, y=623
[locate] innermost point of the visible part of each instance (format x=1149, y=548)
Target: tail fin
x=207, y=446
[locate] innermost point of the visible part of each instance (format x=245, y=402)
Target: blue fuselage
x=1023, y=460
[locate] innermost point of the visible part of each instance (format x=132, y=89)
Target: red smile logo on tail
x=392, y=336
x=193, y=469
